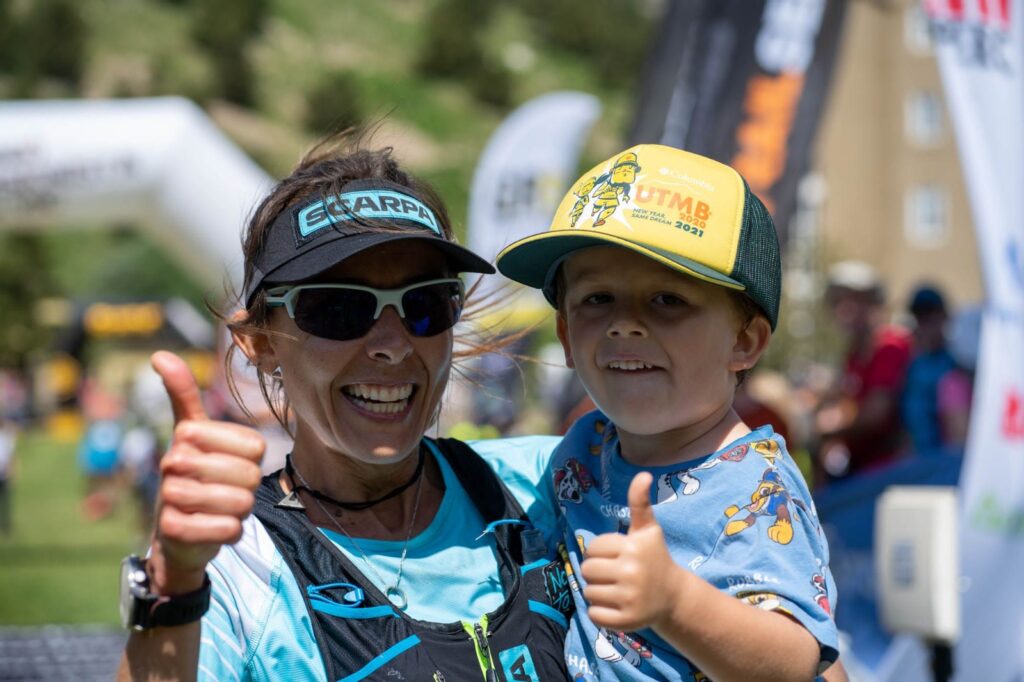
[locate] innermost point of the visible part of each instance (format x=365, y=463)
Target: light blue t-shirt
x=741, y=519
x=258, y=628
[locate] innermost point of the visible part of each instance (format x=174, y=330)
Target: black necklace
x=353, y=506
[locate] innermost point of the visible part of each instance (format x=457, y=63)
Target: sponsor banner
x=523, y=173
x=744, y=82
x=992, y=524
x=980, y=50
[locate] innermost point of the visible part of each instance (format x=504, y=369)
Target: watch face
x=133, y=581
x=126, y=593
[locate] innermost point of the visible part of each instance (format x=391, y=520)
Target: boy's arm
x=632, y=582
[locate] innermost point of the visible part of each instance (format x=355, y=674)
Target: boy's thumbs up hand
x=631, y=579
x=207, y=479
x=641, y=513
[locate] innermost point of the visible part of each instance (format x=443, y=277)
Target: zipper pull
x=481, y=636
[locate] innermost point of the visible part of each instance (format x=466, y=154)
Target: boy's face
x=656, y=349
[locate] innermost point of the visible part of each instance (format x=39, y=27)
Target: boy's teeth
x=629, y=365
x=380, y=394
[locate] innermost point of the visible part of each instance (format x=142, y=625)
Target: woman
x=376, y=553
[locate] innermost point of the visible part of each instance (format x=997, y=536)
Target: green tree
x=51, y=41
x=334, y=104
x=24, y=280
x=451, y=45
x=613, y=35
x=224, y=29
x=7, y=34
x=452, y=48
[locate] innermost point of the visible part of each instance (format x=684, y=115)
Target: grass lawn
x=57, y=566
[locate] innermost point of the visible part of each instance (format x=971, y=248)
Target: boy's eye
x=668, y=300
x=596, y=299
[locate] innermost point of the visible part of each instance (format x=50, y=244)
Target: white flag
x=524, y=171
x=981, y=53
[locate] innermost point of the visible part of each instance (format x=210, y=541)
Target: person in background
x=139, y=458
x=937, y=398
x=98, y=450
x=858, y=424
x=8, y=443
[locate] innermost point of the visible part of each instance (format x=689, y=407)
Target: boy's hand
x=632, y=581
x=206, y=487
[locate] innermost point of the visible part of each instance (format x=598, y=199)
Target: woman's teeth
x=629, y=365
x=379, y=399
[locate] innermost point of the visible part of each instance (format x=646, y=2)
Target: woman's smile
x=381, y=401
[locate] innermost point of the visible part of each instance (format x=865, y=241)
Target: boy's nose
x=626, y=326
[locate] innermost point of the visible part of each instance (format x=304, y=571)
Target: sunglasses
x=342, y=312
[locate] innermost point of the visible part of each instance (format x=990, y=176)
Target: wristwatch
x=142, y=610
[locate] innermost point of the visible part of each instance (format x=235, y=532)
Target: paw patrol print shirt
x=741, y=518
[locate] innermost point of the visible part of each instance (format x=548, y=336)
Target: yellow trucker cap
x=685, y=211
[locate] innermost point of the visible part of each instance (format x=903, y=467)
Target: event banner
x=159, y=163
x=980, y=49
x=744, y=82
x=525, y=170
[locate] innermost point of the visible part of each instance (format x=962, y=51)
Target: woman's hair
x=331, y=164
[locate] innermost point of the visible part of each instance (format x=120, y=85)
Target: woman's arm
x=206, y=489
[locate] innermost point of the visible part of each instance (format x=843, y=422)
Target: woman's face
x=370, y=398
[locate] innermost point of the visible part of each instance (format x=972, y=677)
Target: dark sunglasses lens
x=432, y=309
x=336, y=314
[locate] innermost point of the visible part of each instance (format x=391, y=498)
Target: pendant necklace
x=394, y=592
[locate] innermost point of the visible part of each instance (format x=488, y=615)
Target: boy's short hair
x=685, y=211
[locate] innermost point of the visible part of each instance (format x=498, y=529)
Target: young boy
x=667, y=289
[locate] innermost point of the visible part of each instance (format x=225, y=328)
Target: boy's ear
x=751, y=342
x=255, y=344
x=562, y=329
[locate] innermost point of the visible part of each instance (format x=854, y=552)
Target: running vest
x=363, y=636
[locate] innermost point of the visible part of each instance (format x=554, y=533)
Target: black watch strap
x=177, y=610
x=142, y=610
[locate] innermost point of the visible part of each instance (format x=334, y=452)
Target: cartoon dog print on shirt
x=770, y=498
x=821, y=598
x=621, y=646
x=572, y=481
x=671, y=485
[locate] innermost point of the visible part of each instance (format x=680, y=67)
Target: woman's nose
x=388, y=339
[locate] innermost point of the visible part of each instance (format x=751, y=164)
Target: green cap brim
x=533, y=261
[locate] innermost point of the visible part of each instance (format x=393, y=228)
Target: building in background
x=893, y=193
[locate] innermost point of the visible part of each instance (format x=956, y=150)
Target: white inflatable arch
x=159, y=164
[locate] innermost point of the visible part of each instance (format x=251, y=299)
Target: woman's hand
x=207, y=479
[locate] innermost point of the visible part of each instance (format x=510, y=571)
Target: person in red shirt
x=859, y=426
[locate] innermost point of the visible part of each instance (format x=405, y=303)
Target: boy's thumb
x=180, y=385
x=640, y=511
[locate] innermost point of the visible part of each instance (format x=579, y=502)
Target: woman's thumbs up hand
x=207, y=479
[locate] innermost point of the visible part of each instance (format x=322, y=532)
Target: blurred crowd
x=901, y=389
